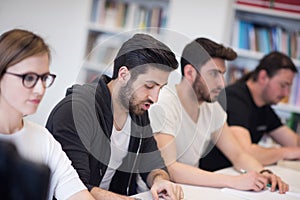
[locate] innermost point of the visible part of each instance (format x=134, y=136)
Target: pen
x=269, y=185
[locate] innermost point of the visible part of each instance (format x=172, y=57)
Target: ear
x=123, y=74
x=190, y=73
x=263, y=76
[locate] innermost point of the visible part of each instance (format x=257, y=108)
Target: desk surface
x=289, y=164
x=290, y=176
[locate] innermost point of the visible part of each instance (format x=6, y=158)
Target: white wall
x=202, y=18
x=190, y=19
x=62, y=23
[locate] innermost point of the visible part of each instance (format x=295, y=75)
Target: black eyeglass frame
x=37, y=77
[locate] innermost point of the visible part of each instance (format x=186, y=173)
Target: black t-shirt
x=242, y=111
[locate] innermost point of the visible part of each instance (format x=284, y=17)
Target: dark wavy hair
x=142, y=51
x=200, y=50
x=272, y=63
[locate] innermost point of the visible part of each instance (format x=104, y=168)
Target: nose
x=39, y=87
x=153, y=94
x=221, y=81
x=286, y=91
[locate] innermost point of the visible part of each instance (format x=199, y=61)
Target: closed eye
x=149, y=85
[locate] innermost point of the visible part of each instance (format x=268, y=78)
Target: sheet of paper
x=145, y=196
x=293, y=194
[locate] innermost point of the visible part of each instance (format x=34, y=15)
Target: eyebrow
x=287, y=83
x=221, y=72
x=154, y=82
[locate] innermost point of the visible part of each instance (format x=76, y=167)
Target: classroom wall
x=62, y=23
x=190, y=19
x=201, y=18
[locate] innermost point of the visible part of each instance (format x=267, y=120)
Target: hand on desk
x=276, y=183
x=256, y=181
x=167, y=190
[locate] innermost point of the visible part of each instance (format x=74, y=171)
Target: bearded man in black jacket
x=104, y=126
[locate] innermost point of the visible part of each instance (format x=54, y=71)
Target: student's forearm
x=186, y=174
x=100, y=194
x=245, y=161
x=269, y=156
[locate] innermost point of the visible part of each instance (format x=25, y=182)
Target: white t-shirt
x=119, y=148
x=192, y=139
x=36, y=144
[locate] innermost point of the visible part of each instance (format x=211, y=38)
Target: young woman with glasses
x=24, y=77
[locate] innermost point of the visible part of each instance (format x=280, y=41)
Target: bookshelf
x=114, y=21
x=259, y=27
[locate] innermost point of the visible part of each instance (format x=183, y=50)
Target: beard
x=266, y=97
x=129, y=100
x=201, y=90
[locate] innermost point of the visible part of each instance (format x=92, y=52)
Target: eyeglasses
x=29, y=80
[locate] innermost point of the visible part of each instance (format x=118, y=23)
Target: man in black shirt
x=250, y=114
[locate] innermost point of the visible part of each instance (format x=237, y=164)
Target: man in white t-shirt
x=187, y=119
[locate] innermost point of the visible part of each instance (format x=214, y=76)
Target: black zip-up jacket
x=82, y=122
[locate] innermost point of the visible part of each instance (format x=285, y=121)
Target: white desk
x=292, y=177
x=289, y=164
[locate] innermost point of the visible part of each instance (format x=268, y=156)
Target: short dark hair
x=200, y=50
x=142, y=50
x=18, y=44
x=272, y=63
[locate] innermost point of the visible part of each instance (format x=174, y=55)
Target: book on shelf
x=243, y=35
x=252, y=34
x=128, y=14
x=235, y=33
x=286, y=5
x=258, y=3
x=281, y=5
x=291, y=2
x=131, y=11
x=121, y=14
x=293, y=43
x=265, y=38
x=97, y=12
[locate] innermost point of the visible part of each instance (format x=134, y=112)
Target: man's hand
x=161, y=186
x=166, y=189
x=276, y=182
x=249, y=181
